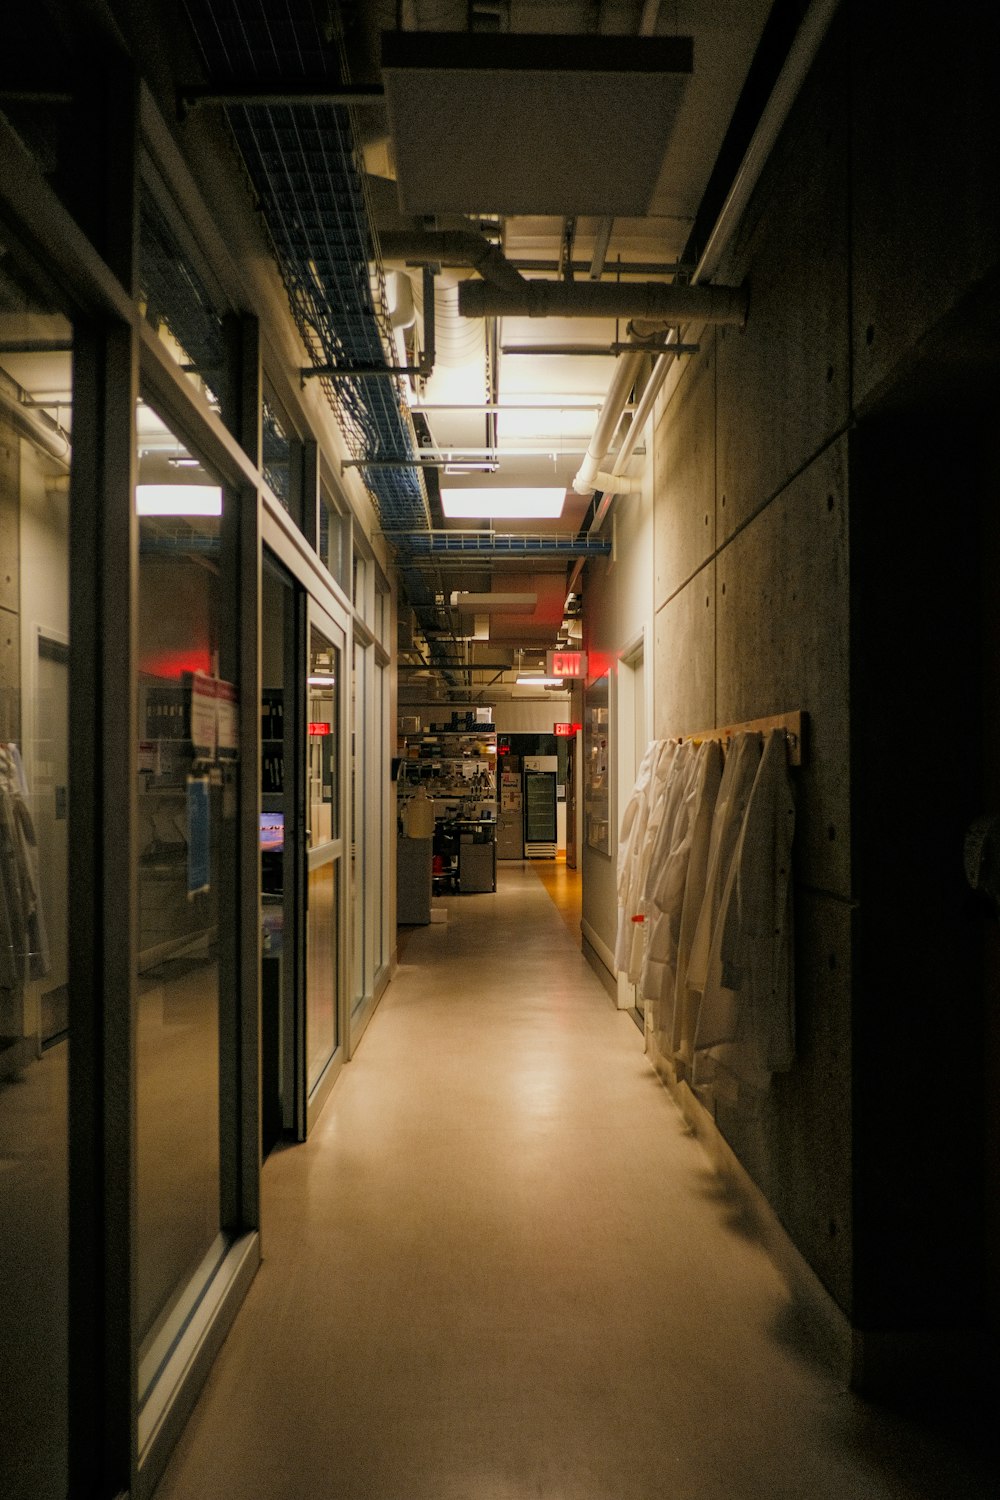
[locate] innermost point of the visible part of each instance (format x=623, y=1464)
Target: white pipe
x=616, y=484
x=611, y=413
x=37, y=426
x=801, y=55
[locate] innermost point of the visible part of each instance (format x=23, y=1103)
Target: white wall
x=617, y=612
x=532, y=717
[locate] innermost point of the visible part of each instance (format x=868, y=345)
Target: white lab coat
x=655, y=809
x=678, y=1034
x=752, y=1028
x=24, y=952
x=632, y=830
x=706, y=1000
x=657, y=875
x=663, y=892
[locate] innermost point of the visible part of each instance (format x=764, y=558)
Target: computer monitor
x=272, y=832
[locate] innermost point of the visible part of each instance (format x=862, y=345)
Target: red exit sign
x=566, y=663
x=565, y=731
x=318, y=728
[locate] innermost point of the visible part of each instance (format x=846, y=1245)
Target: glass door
x=325, y=889
x=360, y=771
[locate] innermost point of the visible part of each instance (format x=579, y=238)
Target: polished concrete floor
x=500, y=1269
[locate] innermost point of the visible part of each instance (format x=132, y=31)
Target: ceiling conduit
x=308, y=176
x=801, y=54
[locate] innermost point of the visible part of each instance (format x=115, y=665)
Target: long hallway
x=501, y=1268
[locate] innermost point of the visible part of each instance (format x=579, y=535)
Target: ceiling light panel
x=495, y=504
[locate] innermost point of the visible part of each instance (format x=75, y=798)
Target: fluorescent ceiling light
x=178, y=500
x=503, y=504
x=539, y=682
x=322, y=682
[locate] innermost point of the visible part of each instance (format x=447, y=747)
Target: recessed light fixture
x=539, y=682
x=490, y=504
x=178, y=500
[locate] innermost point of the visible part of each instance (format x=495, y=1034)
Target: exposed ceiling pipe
x=36, y=425
x=617, y=484
x=615, y=402
x=666, y=300
x=801, y=54
x=457, y=246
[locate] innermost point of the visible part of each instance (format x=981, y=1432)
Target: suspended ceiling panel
x=531, y=124
x=541, y=625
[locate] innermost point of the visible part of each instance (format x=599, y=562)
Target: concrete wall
x=794, y=569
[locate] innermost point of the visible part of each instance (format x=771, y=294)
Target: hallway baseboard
x=829, y=1325
x=600, y=958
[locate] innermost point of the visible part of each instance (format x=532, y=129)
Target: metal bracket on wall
x=423, y=369
x=794, y=724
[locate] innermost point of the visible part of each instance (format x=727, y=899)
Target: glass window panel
x=35, y=420
x=334, y=547
x=186, y=870
x=359, y=846
x=322, y=1009
x=277, y=454
x=324, y=677
x=381, y=794
x=323, y=801
x=177, y=303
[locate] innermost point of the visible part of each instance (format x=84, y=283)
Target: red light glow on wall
x=177, y=663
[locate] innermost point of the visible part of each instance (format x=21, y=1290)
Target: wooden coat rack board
x=794, y=725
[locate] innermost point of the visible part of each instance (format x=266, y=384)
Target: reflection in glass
x=379, y=831
x=322, y=1028
x=187, y=798
x=597, y=767
x=359, y=849
x=324, y=671
x=177, y=303
x=35, y=417
x=277, y=453
x=323, y=801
